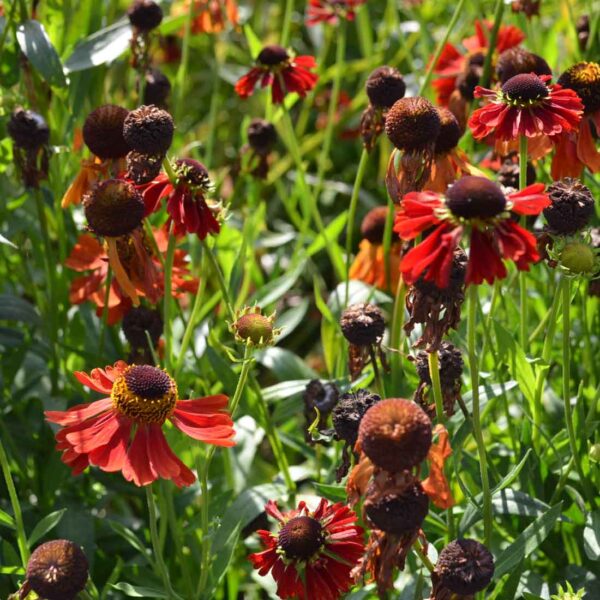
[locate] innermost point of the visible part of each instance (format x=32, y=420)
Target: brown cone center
x=301, y=537
x=475, y=198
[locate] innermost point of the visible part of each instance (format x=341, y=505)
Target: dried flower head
x=517, y=60
x=157, y=88
x=103, y=131
x=57, y=570
x=28, y=129
x=145, y=15
x=571, y=208
x=149, y=130
x=395, y=434
x=262, y=136
x=584, y=79
x=143, y=168
x=362, y=324
x=253, y=328
x=142, y=326
x=322, y=397
x=385, y=86
x=412, y=124
x=464, y=567
x=372, y=227
x=509, y=172
x=113, y=208
x=449, y=134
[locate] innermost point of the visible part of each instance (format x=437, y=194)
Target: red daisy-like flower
x=455, y=65
x=285, y=74
x=186, y=198
x=331, y=11
x=124, y=432
x=313, y=552
x=526, y=105
x=475, y=207
x=90, y=256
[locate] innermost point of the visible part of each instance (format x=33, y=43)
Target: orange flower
x=211, y=16
x=436, y=485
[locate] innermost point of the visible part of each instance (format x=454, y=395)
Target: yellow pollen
x=145, y=394
x=590, y=73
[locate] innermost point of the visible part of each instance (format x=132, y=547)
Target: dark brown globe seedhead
x=149, y=130
x=103, y=131
x=395, y=434
x=271, y=56
x=143, y=168
x=475, y=198
x=301, y=537
x=321, y=396
x=584, y=79
x=57, y=570
x=138, y=321
x=412, y=124
x=524, y=89
x=192, y=172
x=362, y=324
x=571, y=208
x=385, y=87
x=28, y=129
x=517, y=60
x=145, y=15
x=113, y=208
x=464, y=567
x=508, y=175
x=261, y=136
x=450, y=365
x=450, y=132
x=349, y=412
x=372, y=227
x=158, y=87
x=398, y=512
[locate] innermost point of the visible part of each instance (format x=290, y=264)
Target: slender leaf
x=37, y=47
x=48, y=523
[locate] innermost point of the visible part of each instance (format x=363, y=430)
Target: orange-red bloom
x=89, y=254
x=212, y=16
x=283, y=72
x=478, y=208
x=313, y=552
x=124, y=432
x=331, y=11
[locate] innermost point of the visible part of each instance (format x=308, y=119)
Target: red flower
x=454, y=63
x=284, y=73
x=124, y=431
x=330, y=11
x=186, y=203
x=477, y=207
x=89, y=255
x=313, y=552
x=526, y=105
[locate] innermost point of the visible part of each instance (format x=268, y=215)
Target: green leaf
x=16, y=570
x=283, y=390
x=332, y=230
x=274, y=290
x=138, y=591
x=223, y=557
x=3, y=240
x=130, y=538
x=527, y=542
x=101, y=47
x=254, y=43
x=48, y=523
x=284, y=364
x=335, y=493
x=290, y=319
x=37, y=47
x=513, y=473
x=591, y=535
x=6, y=520
x=13, y=308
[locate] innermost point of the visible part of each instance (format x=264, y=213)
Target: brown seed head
x=450, y=365
x=28, y=129
x=362, y=324
x=103, y=131
x=113, y=208
x=385, y=87
x=517, y=60
x=584, y=79
x=349, y=412
x=138, y=321
x=572, y=206
x=273, y=55
x=145, y=15
x=412, y=124
x=158, y=87
x=372, y=227
x=261, y=136
x=301, y=537
x=143, y=168
x=149, y=129
x=475, y=198
x=57, y=570
x=449, y=134
x=524, y=89
x=395, y=434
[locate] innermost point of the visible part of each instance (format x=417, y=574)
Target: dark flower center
x=449, y=134
x=271, y=56
x=149, y=129
x=412, y=124
x=385, y=86
x=475, y=198
x=517, y=60
x=145, y=14
x=192, y=172
x=362, y=324
x=465, y=567
x=584, y=79
x=147, y=381
x=525, y=87
x=114, y=208
x=145, y=394
x=28, y=129
x=373, y=225
x=301, y=537
x=261, y=136
x=103, y=131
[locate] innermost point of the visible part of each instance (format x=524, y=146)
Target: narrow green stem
x=16, y=506
x=418, y=548
x=522, y=277
x=360, y=173
x=203, y=469
x=377, y=374
x=287, y=22
x=213, y=110
x=396, y=334
x=181, y=76
x=159, y=559
x=340, y=54
x=237, y=395
x=221, y=279
x=477, y=431
x=487, y=64
x=434, y=373
x=440, y=47
x=167, y=300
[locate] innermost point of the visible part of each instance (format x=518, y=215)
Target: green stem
x=159, y=559
x=287, y=22
x=181, y=76
x=487, y=64
x=221, y=279
x=204, y=516
x=522, y=277
x=360, y=173
x=14, y=501
x=477, y=431
x=397, y=329
x=418, y=548
x=434, y=373
x=237, y=395
x=440, y=47
x=167, y=300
